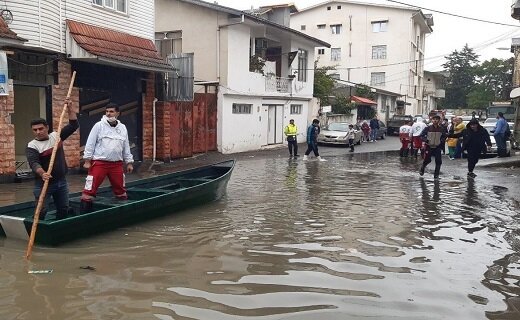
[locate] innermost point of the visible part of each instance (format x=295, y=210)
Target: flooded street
x=356, y=237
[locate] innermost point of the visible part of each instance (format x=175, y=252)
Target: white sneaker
x=305, y=158
x=321, y=159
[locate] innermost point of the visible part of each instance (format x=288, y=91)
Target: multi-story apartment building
x=377, y=45
x=110, y=45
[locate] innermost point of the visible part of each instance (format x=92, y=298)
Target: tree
x=461, y=66
x=494, y=76
x=323, y=84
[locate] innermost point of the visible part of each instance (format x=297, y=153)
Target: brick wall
x=59, y=93
x=162, y=113
x=7, y=148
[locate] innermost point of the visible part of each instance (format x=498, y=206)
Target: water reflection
x=358, y=236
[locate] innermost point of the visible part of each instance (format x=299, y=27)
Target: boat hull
x=148, y=198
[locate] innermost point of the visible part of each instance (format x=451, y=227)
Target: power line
x=455, y=15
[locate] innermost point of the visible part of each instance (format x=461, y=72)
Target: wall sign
x=4, y=87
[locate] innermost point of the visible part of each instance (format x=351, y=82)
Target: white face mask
x=111, y=119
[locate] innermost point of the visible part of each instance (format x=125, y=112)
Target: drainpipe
x=154, y=130
x=242, y=19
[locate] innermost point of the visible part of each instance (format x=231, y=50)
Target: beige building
x=377, y=45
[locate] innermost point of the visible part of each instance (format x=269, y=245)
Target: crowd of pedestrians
x=429, y=141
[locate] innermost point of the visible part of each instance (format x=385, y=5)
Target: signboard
x=4, y=87
x=326, y=109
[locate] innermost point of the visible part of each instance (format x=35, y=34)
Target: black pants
x=351, y=144
x=473, y=157
x=313, y=146
x=436, y=153
x=293, y=145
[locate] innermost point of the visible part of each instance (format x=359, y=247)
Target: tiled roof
x=7, y=33
x=117, y=46
x=362, y=100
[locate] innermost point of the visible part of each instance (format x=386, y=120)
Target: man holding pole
x=38, y=153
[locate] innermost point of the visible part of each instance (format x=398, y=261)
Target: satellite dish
x=7, y=16
x=515, y=93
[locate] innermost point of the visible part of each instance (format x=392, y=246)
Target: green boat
x=147, y=198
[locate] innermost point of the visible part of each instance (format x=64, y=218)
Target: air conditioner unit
x=515, y=10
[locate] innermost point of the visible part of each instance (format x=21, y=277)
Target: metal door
x=275, y=124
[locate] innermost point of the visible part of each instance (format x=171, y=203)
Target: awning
x=105, y=46
x=8, y=36
x=362, y=100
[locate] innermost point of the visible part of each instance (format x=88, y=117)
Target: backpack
x=507, y=133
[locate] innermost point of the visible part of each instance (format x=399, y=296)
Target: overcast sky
x=449, y=33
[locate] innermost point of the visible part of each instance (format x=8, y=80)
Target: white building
x=377, y=45
x=253, y=108
x=434, y=84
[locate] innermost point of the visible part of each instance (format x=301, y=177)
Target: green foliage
x=461, y=66
x=365, y=92
x=480, y=96
x=256, y=64
x=474, y=85
x=323, y=84
x=342, y=105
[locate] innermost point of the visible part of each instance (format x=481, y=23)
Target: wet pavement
x=359, y=236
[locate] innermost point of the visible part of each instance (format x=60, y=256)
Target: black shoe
x=421, y=172
x=296, y=155
x=471, y=175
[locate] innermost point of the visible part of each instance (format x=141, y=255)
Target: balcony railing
x=277, y=84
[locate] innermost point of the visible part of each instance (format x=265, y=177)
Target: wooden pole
x=46, y=183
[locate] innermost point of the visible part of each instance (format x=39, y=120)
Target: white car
x=335, y=133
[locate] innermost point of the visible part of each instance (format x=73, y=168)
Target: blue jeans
x=59, y=190
x=500, y=140
x=373, y=134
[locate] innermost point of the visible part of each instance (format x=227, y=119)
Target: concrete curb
x=513, y=161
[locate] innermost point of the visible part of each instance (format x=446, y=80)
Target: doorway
x=275, y=124
x=30, y=103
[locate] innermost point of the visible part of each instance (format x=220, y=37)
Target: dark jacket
x=434, y=136
x=475, y=141
x=374, y=124
x=39, y=152
x=312, y=133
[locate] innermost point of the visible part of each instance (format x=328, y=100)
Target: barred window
x=378, y=52
x=335, y=54
x=296, y=109
x=242, y=108
x=377, y=79
x=321, y=51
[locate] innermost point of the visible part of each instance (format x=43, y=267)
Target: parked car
x=381, y=134
x=396, y=122
x=335, y=133
x=489, y=125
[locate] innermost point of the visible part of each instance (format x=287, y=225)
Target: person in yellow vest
x=291, y=131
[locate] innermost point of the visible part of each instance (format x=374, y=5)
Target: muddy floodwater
x=356, y=237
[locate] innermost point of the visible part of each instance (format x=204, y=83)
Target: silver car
x=489, y=125
x=336, y=133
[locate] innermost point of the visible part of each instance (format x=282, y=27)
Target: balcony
x=277, y=84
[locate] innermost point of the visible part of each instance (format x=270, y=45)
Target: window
x=168, y=42
x=328, y=8
x=335, y=54
x=118, y=5
x=335, y=28
x=240, y=108
x=379, y=26
x=296, y=109
x=335, y=76
x=377, y=79
x=302, y=27
x=321, y=26
x=339, y=7
x=378, y=52
x=321, y=51
x=302, y=65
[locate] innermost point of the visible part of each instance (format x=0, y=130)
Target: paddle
x=46, y=183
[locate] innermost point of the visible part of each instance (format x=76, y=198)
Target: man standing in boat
x=38, y=153
x=106, y=150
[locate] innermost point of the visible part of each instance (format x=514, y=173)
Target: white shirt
x=417, y=128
